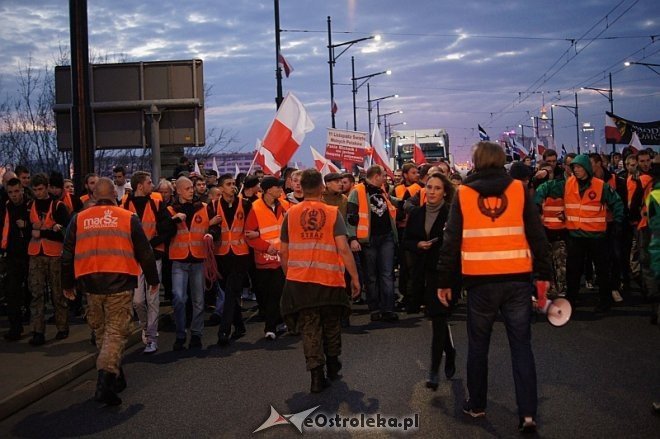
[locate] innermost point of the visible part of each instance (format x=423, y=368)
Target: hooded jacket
x=609, y=198
x=490, y=183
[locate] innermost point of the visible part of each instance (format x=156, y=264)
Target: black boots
x=318, y=380
x=432, y=381
x=334, y=366
x=105, y=388
x=450, y=363
x=120, y=381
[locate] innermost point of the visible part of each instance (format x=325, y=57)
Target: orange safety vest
x=5, y=229
x=422, y=197
x=284, y=202
x=233, y=237
x=494, y=245
x=84, y=198
x=647, y=184
x=313, y=255
x=103, y=242
x=269, y=230
x=148, y=219
x=37, y=245
x=553, y=210
x=66, y=199
x=401, y=189
x=587, y=213
x=189, y=242
x=364, y=211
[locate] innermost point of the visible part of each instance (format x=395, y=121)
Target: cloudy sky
x=455, y=63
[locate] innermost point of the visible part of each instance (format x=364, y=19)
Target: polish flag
x=287, y=131
x=378, y=153
x=284, y=65
x=264, y=158
x=334, y=108
x=612, y=133
x=418, y=154
x=322, y=164
x=635, y=145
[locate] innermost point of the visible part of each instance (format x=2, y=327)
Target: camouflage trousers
x=558, y=251
x=109, y=316
x=320, y=328
x=46, y=270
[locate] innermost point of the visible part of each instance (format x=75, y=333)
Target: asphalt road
x=597, y=378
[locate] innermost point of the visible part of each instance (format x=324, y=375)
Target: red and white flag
x=322, y=164
x=635, y=144
x=418, y=154
x=284, y=65
x=378, y=153
x=611, y=130
x=264, y=158
x=287, y=131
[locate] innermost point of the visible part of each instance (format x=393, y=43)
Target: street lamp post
x=574, y=109
x=384, y=116
x=357, y=86
x=522, y=132
x=377, y=101
x=609, y=97
x=332, y=59
x=650, y=66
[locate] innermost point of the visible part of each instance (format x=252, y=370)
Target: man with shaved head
x=193, y=221
x=104, y=249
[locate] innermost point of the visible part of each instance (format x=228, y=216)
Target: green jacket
x=653, y=205
x=555, y=189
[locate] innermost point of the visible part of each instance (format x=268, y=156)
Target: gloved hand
x=542, y=302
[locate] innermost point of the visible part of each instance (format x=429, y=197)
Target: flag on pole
x=237, y=171
x=322, y=164
x=482, y=133
x=287, y=131
x=564, y=153
x=264, y=158
x=635, y=145
x=334, y=108
x=284, y=65
x=519, y=149
x=215, y=167
x=418, y=154
x=196, y=169
x=507, y=149
x=378, y=153
x=612, y=133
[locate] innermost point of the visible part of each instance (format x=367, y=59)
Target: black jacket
x=492, y=183
x=165, y=227
x=108, y=283
x=18, y=237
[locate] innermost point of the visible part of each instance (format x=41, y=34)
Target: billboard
x=346, y=146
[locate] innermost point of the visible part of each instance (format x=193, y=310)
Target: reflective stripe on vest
x=364, y=210
x=148, y=219
x=313, y=255
x=585, y=213
x=553, y=213
x=5, y=229
x=498, y=245
x=103, y=242
x=233, y=238
x=269, y=230
x=36, y=245
x=189, y=242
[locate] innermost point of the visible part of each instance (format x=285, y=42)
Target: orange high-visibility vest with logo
x=494, y=244
x=364, y=210
x=585, y=213
x=233, y=237
x=553, y=213
x=189, y=242
x=269, y=230
x=36, y=245
x=313, y=255
x=103, y=242
x=148, y=219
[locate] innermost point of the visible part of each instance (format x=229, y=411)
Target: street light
x=650, y=66
x=384, y=116
x=377, y=101
x=332, y=59
x=522, y=128
x=609, y=96
x=573, y=109
x=364, y=80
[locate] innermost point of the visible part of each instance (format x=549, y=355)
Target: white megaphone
x=558, y=311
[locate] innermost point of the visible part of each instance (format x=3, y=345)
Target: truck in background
x=434, y=143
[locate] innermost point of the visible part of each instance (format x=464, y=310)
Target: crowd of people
x=307, y=247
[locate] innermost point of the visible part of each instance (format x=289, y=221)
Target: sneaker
x=473, y=412
x=151, y=347
x=616, y=296
x=179, y=344
x=527, y=425
x=144, y=337
x=270, y=335
x=61, y=335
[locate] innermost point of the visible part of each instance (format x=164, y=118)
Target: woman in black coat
x=423, y=240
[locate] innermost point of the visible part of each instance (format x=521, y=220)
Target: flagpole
x=278, y=70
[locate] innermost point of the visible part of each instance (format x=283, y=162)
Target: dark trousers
x=626, y=249
x=233, y=269
x=271, y=283
x=404, y=265
x=578, y=250
x=17, y=290
x=513, y=301
x=379, y=258
x=440, y=342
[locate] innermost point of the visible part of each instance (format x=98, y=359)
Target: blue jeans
x=182, y=273
x=379, y=257
x=513, y=300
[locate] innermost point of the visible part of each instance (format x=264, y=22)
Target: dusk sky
x=455, y=64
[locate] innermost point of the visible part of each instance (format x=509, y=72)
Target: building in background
x=227, y=162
